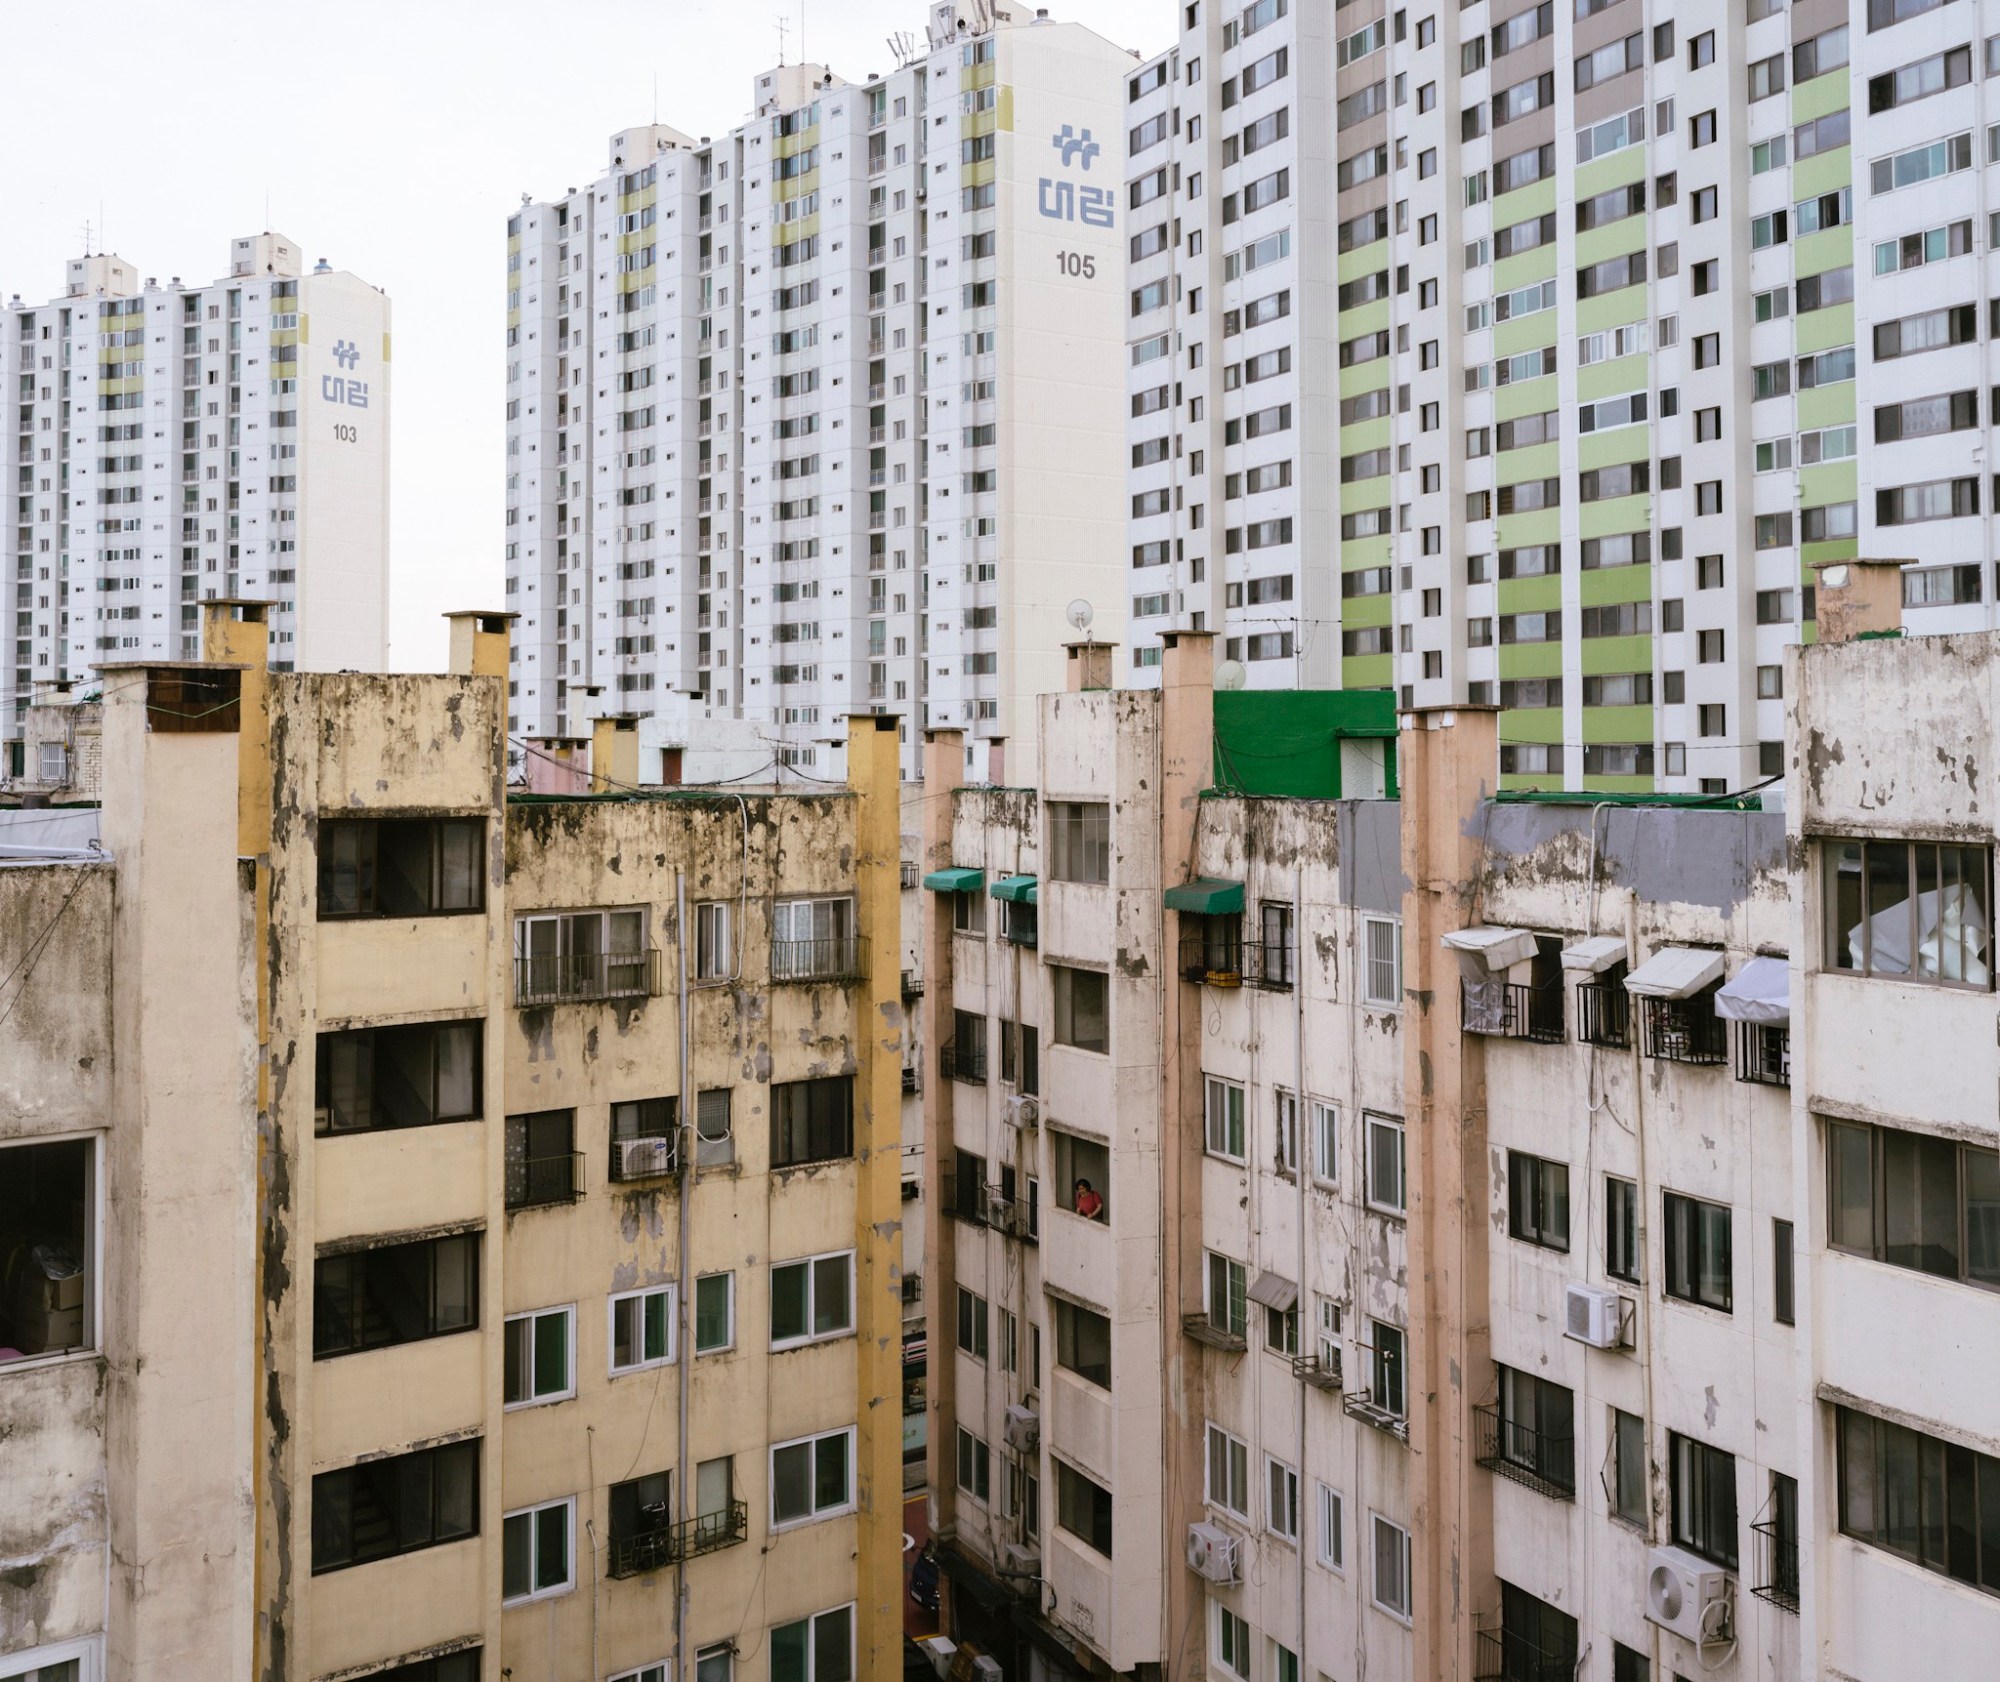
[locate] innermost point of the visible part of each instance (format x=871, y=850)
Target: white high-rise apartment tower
x=1538, y=353
x=171, y=443
x=824, y=415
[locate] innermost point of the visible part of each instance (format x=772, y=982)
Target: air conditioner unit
x=939, y=1650
x=1024, y=1429
x=1688, y=1595
x=986, y=1668
x=1020, y=1559
x=997, y=1207
x=1022, y=1113
x=638, y=1158
x=1592, y=1314
x=1211, y=1553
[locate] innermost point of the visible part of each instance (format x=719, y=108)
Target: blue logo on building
x=1063, y=200
x=346, y=353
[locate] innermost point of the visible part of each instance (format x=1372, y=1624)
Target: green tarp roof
x=955, y=881
x=1020, y=889
x=1207, y=896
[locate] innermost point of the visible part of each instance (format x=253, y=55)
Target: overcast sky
x=392, y=139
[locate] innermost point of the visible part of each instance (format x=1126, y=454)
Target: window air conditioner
x=1211, y=1553
x=1687, y=1595
x=638, y=1158
x=1022, y=1113
x=1024, y=1429
x=998, y=1208
x=1020, y=1559
x=1592, y=1314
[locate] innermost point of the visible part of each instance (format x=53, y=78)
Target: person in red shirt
x=1088, y=1204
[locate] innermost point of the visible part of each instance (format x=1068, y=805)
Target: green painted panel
x=1363, y=259
x=1511, y=272
x=1833, y=248
x=1621, y=443
x=1824, y=172
x=1819, y=96
x=1621, y=169
x=1525, y=332
x=1610, y=309
x=1617, y=654
x=1531, y=659
x=1366, y=493
x=1538, y=198
x=1374, y=434
x=1364, y=318
x=1540, y=525
x=1618, y=785
x=1834, y=481
x=1537, y=461
x=1824, y=329
x=1618, y=724
x=1364, y=613
x=1614, y=584
x=1531, y=724
x=1530, y=595
x=1526, y=397
x=1624, y=373
x=1364, y=376
x=1613, y=240
x=1363, y=671
x=1818, y=554
x=1358, y=553
x=1615, y=514
x=1826, y=405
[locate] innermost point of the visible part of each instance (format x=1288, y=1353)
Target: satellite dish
x=1230, y=675
x=1080, y=613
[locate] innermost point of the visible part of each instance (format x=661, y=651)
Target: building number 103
x=347, y=434
x=1076, y=263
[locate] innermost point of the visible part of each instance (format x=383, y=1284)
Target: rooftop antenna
x=86, y=239
x=784, y=28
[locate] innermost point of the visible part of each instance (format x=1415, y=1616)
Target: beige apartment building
x=1467, y=1282
x=446, y=1236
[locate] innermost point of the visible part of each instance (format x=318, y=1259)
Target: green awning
x=1020, y=889
x=1208, y=897
x=955, y=881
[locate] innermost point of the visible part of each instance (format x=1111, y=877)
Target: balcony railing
x=1321, y=1371
x=1685, y=1030
x=654, y=1550
x=1361, y=1405
x=533, y=1181
x=651, y=1157
x=913, y=1080
x=836, y=959
x=963, y=1201
x=1777, y=1578
x=1506, y=1657
x=1512, y=1011
x=582, y=976
x=1604, y=1015
x=1535, y=1459
x=1764, y=1053
x=967, y=1064
x=1208, y=961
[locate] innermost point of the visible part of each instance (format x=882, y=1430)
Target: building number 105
x=1074, y=262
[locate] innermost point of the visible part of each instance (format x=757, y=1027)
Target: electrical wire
x=37, y=947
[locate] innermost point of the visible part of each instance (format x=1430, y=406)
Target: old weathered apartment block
x=446, y=1235
x=1381, y=1228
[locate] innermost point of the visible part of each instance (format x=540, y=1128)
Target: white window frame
x=714, y=942
x=811, y=1265
x=1285, y=1128
x=93, y=1267
x=980, y=1458
x=812, y=1644
x=567, y=1506
x=694, y=1334
x=1376, y=1525
x=1237, y=1449
x=672, y=1293
x=654, y=1672
x=1326, y=1327
x=568, y=1312
x=1325, y=1140
x=87, y=1655
x=1370, y=1122
x=1223, y=1096
x=1331, y=1517
x=1231, y=1644
x=1281, y=1474
x=706, y=1657
x=811, y=1440
x=1370, y=994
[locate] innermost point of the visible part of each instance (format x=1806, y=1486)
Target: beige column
x=1447, y=758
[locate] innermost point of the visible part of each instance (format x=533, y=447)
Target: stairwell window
x=394, y=1293
x=1083, y=1508
x=812, y=1121
x=1082, y=1008
x=395, y=1505
x=1912, y=910
x=401, y=867
x=1079, y=841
